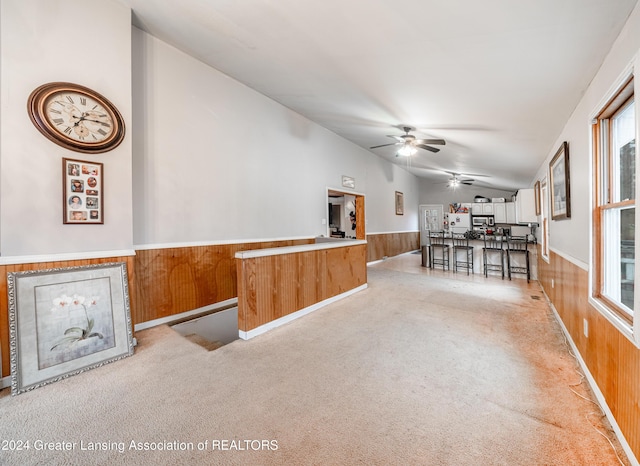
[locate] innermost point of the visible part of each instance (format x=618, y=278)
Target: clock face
x=76, y=117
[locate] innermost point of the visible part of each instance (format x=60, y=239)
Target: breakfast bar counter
x=478, y=262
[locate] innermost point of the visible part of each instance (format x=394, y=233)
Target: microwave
x=478, y=221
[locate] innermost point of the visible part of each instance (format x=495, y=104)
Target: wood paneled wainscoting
x=277, y=285
x=612, y=360
x=382, y=245
x=4, y=304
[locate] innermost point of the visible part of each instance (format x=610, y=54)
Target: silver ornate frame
x=30, y=314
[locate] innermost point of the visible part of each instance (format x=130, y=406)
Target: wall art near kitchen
x=399, y=203
x=560, y=187
x=65, y=321
x=82, y=192
x=536, y=192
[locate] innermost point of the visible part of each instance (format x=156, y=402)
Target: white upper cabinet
x=500, y=212
x=482, y=208
x=511, y=212
x=525, y=206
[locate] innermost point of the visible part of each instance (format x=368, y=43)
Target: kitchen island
x=478, y=262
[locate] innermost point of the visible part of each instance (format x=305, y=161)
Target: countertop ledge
x=342, y=243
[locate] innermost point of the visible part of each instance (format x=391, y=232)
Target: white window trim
x=630, y=331
x=544, y=215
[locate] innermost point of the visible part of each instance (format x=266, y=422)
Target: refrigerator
x=459, y=222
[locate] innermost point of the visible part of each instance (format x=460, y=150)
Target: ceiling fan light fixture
x=407, y=150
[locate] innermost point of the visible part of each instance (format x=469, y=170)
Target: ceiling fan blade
x=385, y=145
x=463, y=174
x=465, y=182
x=440, y=142
x=422, y=146
x=397, y=138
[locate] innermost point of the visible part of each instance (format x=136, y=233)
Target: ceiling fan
x=409, y=145
x=456, y=181
x=458, y=178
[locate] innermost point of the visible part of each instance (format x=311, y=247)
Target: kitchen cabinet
x=504, y=212
x=500, y=212
x=525, y=206
x=482, y=208
x=511, y=212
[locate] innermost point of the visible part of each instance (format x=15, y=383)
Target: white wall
x=384, y=179
x=571, y=237
x=216, y=161
x=81, y=41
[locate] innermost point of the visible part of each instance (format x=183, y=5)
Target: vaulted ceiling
x=497, y=79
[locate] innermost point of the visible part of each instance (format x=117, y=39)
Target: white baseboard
x=295, y=315
x=5, y=382
x=173, y=318
x=596, y=390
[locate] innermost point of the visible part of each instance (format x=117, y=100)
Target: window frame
x=617, y=101
x=544, y=213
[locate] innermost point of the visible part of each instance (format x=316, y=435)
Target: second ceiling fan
x=409, y=145
x=457, y=179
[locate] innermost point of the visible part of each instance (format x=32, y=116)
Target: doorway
x=345, y=215
x=431, y=219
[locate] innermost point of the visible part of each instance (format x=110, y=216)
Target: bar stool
x=439, y=250
x=493, y=247
x=462, y=252
x=518, y=246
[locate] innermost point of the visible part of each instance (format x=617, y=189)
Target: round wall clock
x=76, y=117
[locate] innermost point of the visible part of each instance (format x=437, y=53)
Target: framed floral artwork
x=65, y=321
x=82, y=192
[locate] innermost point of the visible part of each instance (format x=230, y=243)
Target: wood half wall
x=275, y=286
x=176, y=280
x=613, y=360
x=4, y=302
x=382, y=245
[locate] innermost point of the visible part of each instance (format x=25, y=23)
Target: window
x=614, y=148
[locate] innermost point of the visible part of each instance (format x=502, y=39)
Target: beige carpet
x=421, y=368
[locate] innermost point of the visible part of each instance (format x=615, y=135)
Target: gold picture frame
x=399, y=203
x=559, y=182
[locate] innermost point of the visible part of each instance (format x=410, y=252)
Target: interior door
x=431, y=218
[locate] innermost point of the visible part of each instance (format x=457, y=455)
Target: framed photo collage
x=82, y=192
